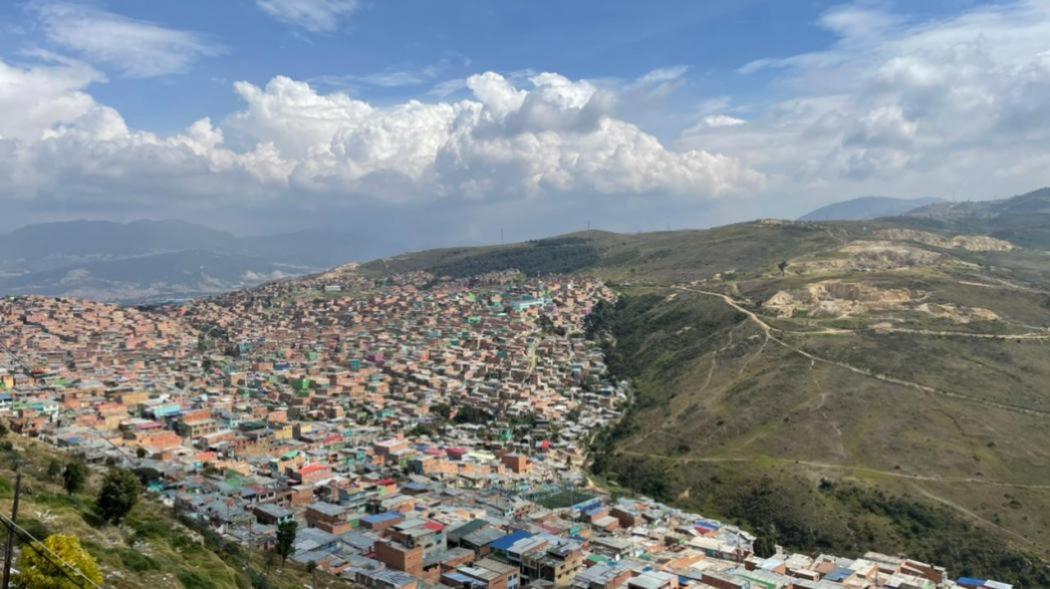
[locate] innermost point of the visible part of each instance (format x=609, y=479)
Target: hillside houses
x=422, y=431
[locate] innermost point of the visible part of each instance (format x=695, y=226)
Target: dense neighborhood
x=421, y=431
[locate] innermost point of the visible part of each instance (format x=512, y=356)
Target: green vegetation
x=152, y=546
x=285, y=539
x=37, y=571
x=652, y=451
x=843, y=517
x=560, y=255
x=73, y=477
x=119, y=492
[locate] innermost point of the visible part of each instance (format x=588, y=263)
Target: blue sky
x=256, y=114
x=585, y=39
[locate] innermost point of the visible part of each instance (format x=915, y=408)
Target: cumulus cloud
x=315, y=16
x=905, y=106
x=137, y=48
x=292, y=145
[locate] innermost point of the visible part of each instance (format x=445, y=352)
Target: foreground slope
x=152, y=548
x=859, y=385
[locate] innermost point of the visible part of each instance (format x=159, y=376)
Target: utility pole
x=9, y=550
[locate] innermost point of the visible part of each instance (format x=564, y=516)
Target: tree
x=765, y=544
x=285, y=539
x=37, y=572
x=141, y=452
x=3, y=429
x=54, y=468
x=119, y=493
x=782, y=266
x=311, y=567
x=73, y=477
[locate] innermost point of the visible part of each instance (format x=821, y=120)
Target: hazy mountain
x=160, y=276
x=867, y=207
x=55, y=244
x=145, y=260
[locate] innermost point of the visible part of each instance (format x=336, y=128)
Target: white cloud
x=34, y=99
x=901, y=106
x=663, y=75
x=291, y=145
x=316, y=16
x=715, y=121
x=137, y=48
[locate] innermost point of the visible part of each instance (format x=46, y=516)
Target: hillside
x=1023, y=219
x=867, y=207
x=865, y=386
x=152, y=548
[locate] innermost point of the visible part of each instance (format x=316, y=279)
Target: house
x=328, y=517
x=486, y=573
x=272, y=515
x=400, y=557
x=380, y=521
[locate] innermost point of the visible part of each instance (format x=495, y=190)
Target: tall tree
x=286, y=539
x=119, y=492
x=73, y=477
x=37, y=572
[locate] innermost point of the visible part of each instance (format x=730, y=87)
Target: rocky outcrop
x=973, y=243
x=957, y=313
x=866, y=256
x=833, y=298
x=837, y=299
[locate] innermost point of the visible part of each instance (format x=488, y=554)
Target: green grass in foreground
x=152, y=549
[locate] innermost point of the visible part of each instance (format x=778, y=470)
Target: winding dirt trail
x=770, y=330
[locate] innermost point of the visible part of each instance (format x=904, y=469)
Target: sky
x=422, y=123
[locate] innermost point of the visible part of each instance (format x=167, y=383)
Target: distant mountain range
x=867, y=207
x=144, y=261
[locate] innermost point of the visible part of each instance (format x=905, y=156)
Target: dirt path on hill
x=970, y=514
x=769, y=330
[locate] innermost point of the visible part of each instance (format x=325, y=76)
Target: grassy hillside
x=839, y=386
x=1023, y=219
x=151, y=549
x=825, y=461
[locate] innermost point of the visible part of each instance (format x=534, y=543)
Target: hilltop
x=867, y=207
x=862, y=385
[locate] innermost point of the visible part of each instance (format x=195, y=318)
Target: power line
x=48, y=554
x=9, y=548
